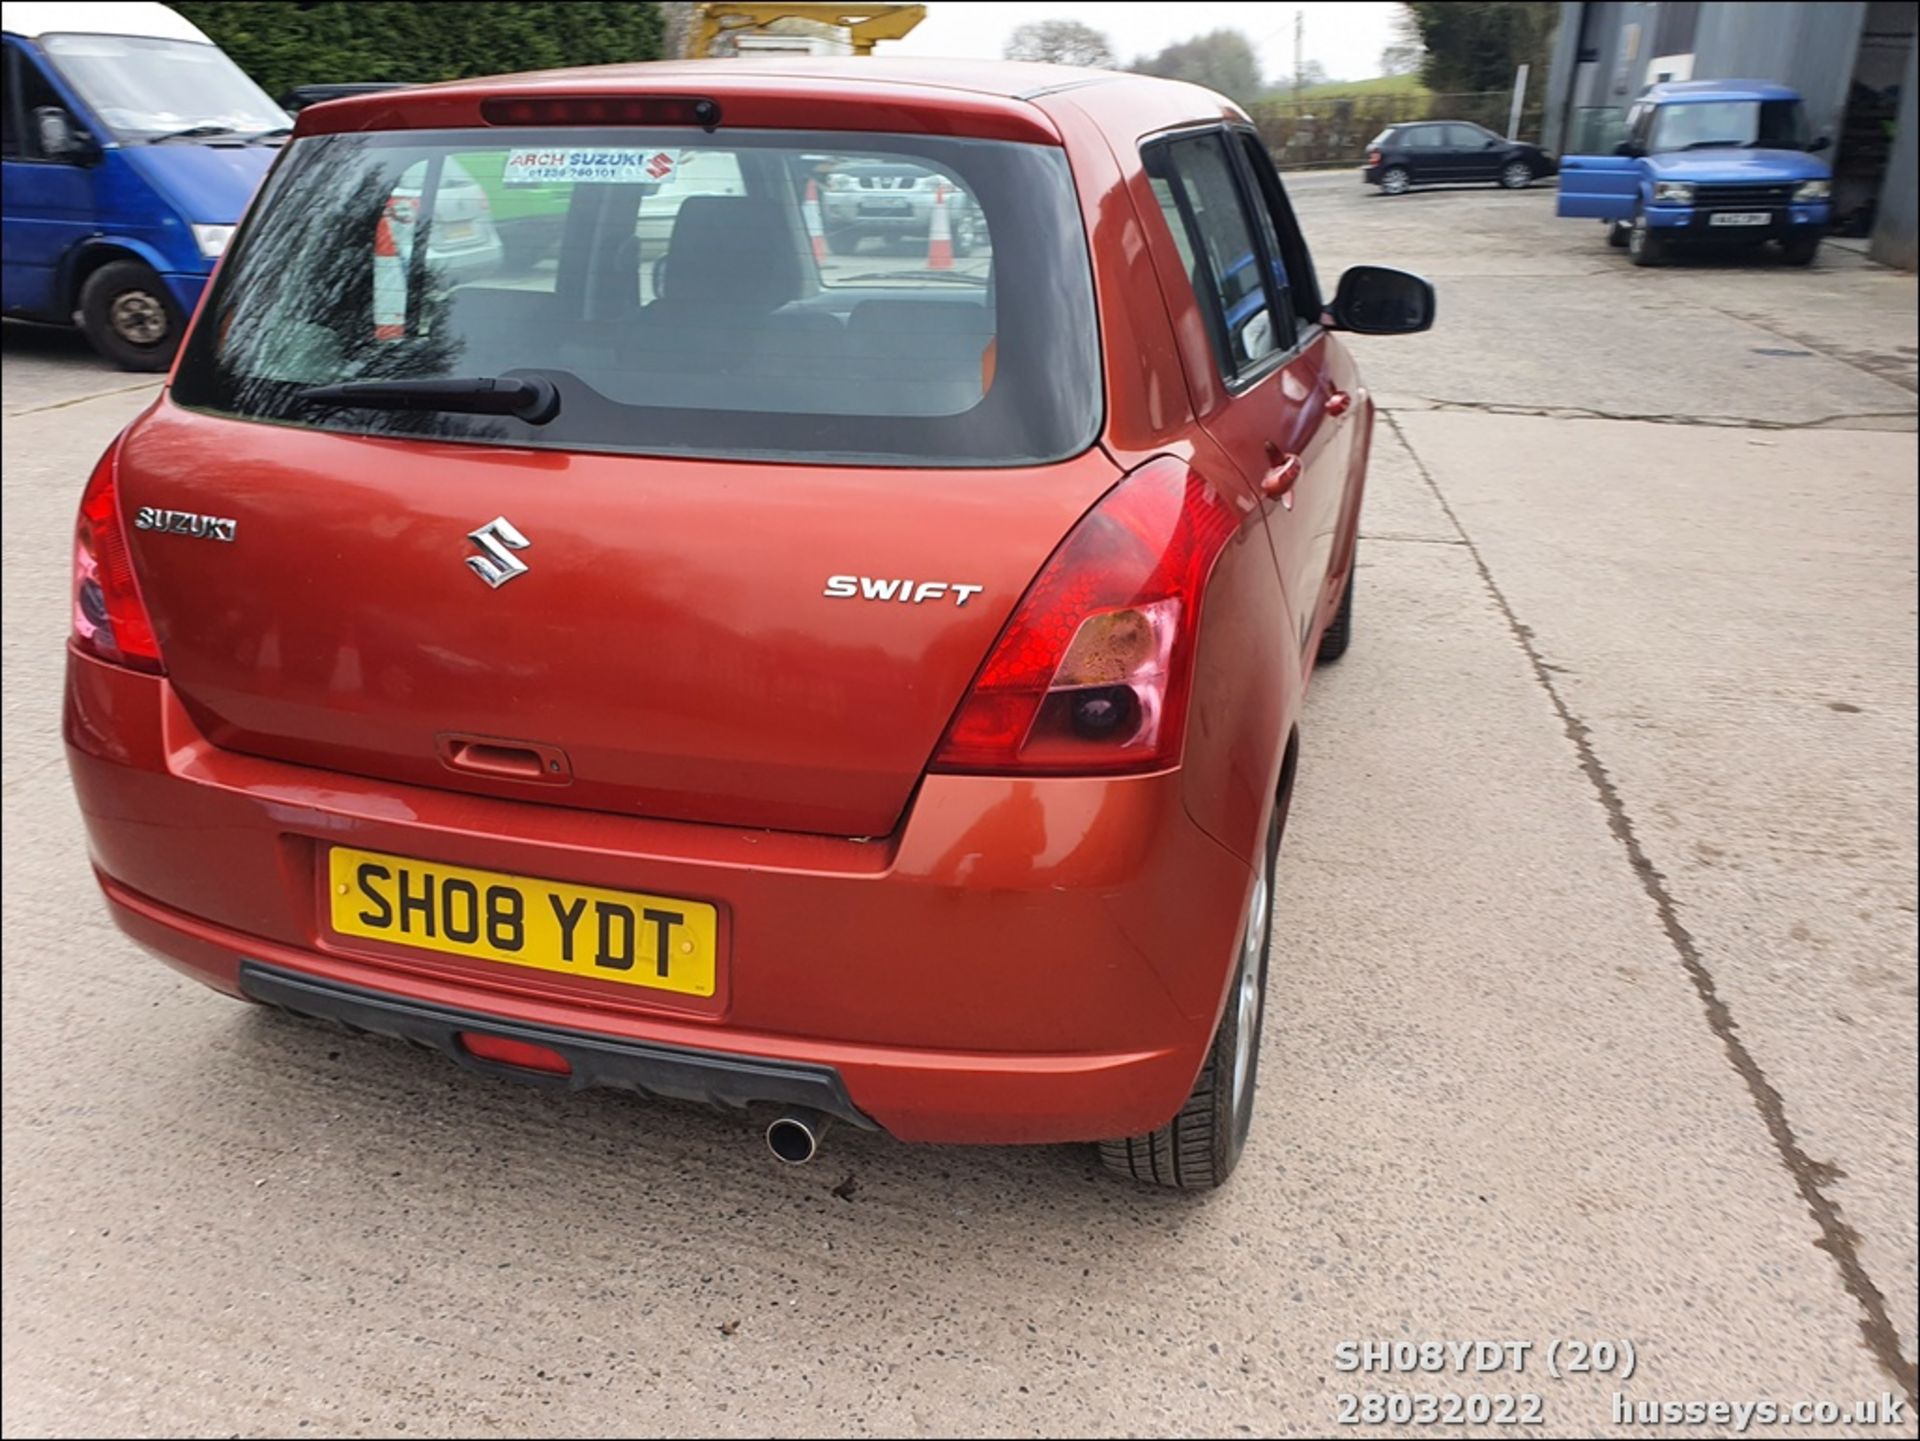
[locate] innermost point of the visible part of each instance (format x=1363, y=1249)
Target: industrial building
x=1851, y=60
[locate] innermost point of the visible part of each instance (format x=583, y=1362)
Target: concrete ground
x=1593, y=1009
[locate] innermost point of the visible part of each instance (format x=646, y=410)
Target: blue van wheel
x=1643, y=245
x=129, y=317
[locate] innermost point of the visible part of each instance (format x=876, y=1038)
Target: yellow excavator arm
x=864, y=24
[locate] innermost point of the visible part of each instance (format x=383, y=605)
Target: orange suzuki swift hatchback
x=788, y=585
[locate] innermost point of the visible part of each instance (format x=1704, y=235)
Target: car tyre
x=1617, y=232
x=1198, y=1149
x=1801, y=249
x=1516, y=175
x=844, y=241
x=966, y=232
x=1643, y=246
x=1395, y=180
x=1338, y=635
x=129, y=317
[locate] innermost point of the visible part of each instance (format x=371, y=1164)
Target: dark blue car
x=1707, y=163
x=132, y=145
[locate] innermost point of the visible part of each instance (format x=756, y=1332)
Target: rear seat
x=731, y=266
x=726, y=318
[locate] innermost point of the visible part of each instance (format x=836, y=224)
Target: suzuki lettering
x=185, y=522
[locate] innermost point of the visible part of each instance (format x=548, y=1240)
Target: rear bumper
x=1023, y=961
x=674, y=1073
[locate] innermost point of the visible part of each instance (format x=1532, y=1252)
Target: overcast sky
x=1346, y=36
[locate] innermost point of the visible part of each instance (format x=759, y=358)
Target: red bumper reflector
x=515, y=1053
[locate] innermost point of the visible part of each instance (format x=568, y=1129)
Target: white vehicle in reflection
x=894, y=203
x=465, y=242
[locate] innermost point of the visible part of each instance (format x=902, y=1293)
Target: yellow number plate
x=640, y=940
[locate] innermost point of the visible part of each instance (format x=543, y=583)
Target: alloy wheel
x=1248, y=991
x=138, y=318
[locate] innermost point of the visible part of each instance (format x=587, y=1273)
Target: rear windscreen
x=852, y=298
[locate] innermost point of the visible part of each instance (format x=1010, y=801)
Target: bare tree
x=1222, y=60
x=1061, y=42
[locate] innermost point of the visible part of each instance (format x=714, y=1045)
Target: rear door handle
x=1339, y=403
x=1283, y=470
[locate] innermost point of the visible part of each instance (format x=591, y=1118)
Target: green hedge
x=283, y=43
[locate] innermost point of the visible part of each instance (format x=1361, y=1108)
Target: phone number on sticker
x=1445, y=1408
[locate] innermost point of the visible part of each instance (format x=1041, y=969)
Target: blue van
x=1707, y=163
x=132, y=145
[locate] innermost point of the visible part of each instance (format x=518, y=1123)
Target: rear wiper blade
x=530, y=398
x=192, y=132
x=1714, y=145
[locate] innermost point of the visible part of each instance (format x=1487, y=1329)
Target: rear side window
x=1293, y=273
x=849, y=298
x=1201, y=201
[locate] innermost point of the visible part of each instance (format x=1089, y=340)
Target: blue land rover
x=1707, y=163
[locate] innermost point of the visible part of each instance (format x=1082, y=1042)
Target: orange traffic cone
x=389, y=281
x=940, y=233
x=816, y=233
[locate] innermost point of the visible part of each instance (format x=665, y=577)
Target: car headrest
x=732, y=250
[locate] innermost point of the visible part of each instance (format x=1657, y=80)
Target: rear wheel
x=1395, y=180
x=1338, y=635
x=1643, y=245
x=1516, y=175
x=1801, y=249
x=129, y=316
x=1198, y=1149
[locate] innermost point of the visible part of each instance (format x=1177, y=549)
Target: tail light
x=109, y=618
x=1373, y=157
x=1092, y=672
x=601, y=110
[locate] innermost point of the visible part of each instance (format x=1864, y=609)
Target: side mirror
x=1821, y=144
x=1376, y=300
x=1627, y=150
x=60, y=139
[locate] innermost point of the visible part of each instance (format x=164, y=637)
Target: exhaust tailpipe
x=795, y=1136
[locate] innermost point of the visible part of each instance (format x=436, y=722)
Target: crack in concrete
x=1841, y=421
x=1891, y=369
x=1839, y=1240
x=1387, y=535
x=80, y=399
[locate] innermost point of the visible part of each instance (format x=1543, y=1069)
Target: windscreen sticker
x=585, y=166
